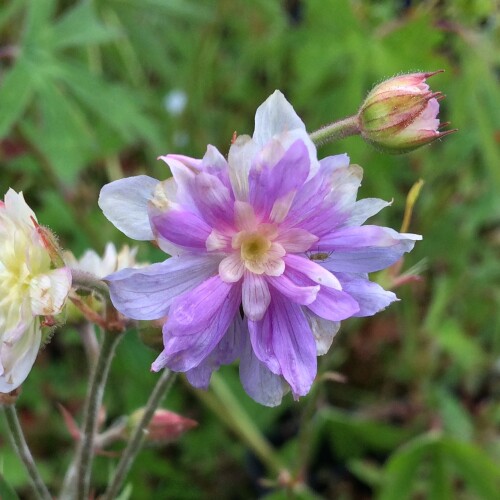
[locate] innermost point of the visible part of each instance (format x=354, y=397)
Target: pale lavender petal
x=370, y=296
x=365, y=249
x=197, y=322
x=296, y=240
x=215, y=164
x=334, y=305
x=293, y=344
x=192, y=311
x=255, y=296
x=312, y=270
x=303, y=295
x=146, y=293
x=181, y=227
x=258, y=381
x=125, y=204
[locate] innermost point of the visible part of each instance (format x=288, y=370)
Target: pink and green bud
x=401, y=114
x=165, y=426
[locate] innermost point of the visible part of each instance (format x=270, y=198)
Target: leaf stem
x=134, y=444
x=21, y=447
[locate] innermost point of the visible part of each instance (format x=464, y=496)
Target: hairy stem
x=21, y=447
x=336, y=130
x=136, y=439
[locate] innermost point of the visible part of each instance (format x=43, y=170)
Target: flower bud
x=401, y=114
x=165, y=426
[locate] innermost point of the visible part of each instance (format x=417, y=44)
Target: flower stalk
x=85, y=450
x=19, y=442
x=336, y=130
x=160, y=390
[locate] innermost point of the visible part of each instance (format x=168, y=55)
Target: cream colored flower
x=110, y=262
x=29, y=288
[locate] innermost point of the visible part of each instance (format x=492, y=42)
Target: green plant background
x=82, y=102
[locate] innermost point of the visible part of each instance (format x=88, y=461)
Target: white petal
x=231, y=268
x=17, y=209
x=16, y=360
x=48, y=292
x=125, y=204
x=275, y=116
x=364, y=209
x=240, y=158
x=323, y=330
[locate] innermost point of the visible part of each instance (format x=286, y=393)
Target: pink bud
x=401, y=114
x=165, y=426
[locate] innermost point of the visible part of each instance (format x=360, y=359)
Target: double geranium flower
x=30, y=287
x=268, y=255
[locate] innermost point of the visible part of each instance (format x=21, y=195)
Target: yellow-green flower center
x=254, y=247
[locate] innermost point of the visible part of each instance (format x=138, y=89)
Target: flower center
x=258, y=251
x=254, y=247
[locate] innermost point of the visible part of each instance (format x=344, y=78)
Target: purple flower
x=268, y=255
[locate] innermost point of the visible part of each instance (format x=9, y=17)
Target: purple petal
x=293, y=344
x=180, y=227
x=147, y=293
x=125, y=204
x=262, y=342
x=258, y=381
x=267, y=183
x=370, y=296
x=334, y=305
x=318, y=274
x=197, y=322
x=224, y=353
x=213, y=200
x=365, y=249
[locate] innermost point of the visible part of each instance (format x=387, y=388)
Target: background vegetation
x=91, y=91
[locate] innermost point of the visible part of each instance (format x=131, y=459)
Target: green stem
x=87, y=281
x=21, y=447
x=136, y=439
x=336, y=130
x=85, y=451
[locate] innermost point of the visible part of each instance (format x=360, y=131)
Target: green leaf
x=62, y=133
x=456, y=420
x=401, y=470
x=478, y=470
x=113, y=104
x=351, y=436
x=6, y=492
x=16, y=91
x=80, y=26
x=440, y=479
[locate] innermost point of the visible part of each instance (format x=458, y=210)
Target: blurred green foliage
x=89, y=92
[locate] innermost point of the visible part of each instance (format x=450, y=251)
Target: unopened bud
x=49, y=241
x=165, y=426
x=401, y=114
